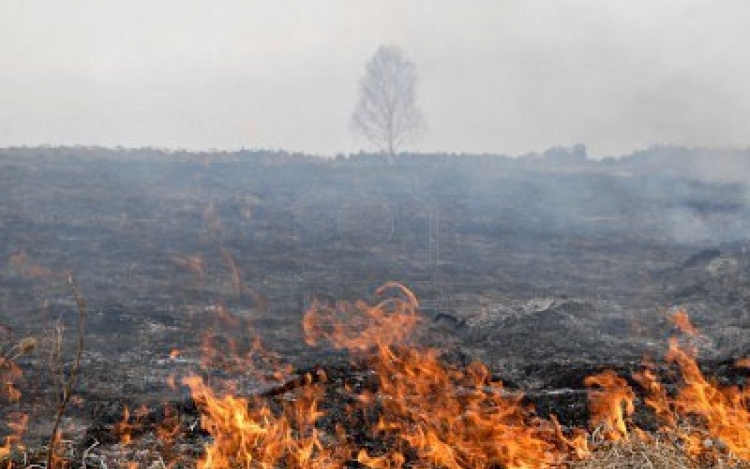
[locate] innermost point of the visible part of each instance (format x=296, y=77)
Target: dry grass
x=654, y=454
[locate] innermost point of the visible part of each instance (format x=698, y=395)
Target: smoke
x=500, y=77
x=723, y=166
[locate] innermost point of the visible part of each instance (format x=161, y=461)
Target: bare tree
x=387, y=113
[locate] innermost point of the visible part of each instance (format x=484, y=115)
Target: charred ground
x=546, y=267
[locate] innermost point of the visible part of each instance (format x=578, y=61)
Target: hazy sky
x=495, y=76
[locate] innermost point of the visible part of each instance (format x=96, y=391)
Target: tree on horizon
x=387, y=113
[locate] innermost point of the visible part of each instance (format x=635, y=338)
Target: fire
x=426, y=413
x=253, y=432
x=450, y=417
x=709, y=419
x=10, y=374
x=704, y=415
x=125, y=427
x=360, y=326
x=418, y=409
x=17, y=425
x=233, y=346
x=610, y=404
x=458, y=418
x=169, y=428
x=194, y=263
x=681, y=320
x=249, y=434
x=723, y=411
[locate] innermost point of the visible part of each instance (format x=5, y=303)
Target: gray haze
x=496, y=76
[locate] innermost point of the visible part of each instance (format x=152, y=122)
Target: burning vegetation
x=399, y=405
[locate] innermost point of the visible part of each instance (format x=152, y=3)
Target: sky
x=495, y=76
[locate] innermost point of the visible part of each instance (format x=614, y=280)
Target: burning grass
x=408, y=408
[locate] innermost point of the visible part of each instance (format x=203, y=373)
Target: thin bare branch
x=67, y=383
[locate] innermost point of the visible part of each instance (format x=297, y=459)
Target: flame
x=169, y=427
x=10, y=374
x=249, y=434
x=17, y=424
x=422, y=411
x=681, y=320
x=171, y=382
x=610, y=404
x=421, y=408
x=167, y=433
x=194, y=263
x=713, y=417
x=393, y=460
x=430, y=414
x=458, y=418
x=578, y=441
x=723, y=410
x=361, y=326
x=449, y=417
x=238, y=350
x=125, y=427
x=238, y=286
x=656, y=396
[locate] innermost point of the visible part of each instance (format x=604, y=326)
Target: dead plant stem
x=68, y=382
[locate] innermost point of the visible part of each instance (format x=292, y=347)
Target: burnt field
x=548, y=269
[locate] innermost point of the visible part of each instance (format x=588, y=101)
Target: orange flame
x=681, y=319
x=610, y=404
x=246, y=434
x=361, y=326
x=450, y=417
x=10, y=374
x=194, y=263
x=125, y=427
x=719, y=416
x=723, y=410
x=430, y=414
x=459, y=418
x=17, y=424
